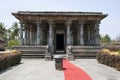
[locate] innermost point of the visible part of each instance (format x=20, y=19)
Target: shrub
x=13, y=42
x=113, y=48
x=109, y=57
x=9, y=59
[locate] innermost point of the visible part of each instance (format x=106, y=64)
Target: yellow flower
x=106, y=50
x=14, y=51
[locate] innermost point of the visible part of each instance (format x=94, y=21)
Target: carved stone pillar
x=50, y=34
x=93, y=37
x=30, y=34
x=33, y=35
x=50, y=42
x=89, y=36
x=51, y=37
x=21, y=34
x=38, y=33
x=68, y=33
x=78, y=35
x=97, y=35
x=25, y=39
x=81, y=33
x=26, y=34
x=41, y=34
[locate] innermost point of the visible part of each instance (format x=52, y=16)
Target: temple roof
x=47, y=15
x=58, y=13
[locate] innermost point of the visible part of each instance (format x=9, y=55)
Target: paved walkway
x=38, y=69
x=97, y=71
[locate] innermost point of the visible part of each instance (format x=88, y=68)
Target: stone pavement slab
x=33, y=69
x=39, y=69
x=97, y=71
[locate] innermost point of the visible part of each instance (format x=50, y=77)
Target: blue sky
x=110, y=25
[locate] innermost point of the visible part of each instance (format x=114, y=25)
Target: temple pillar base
x=48, y=57
x=69, y=54
x=21, y=41
x=70, y=57
x=49, y=54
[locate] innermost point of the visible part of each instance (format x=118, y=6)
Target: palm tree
x=3, y=31
x=9, y=36
x=14, y=31
x=13, y=34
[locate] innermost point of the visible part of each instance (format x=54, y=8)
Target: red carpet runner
x=72, y=72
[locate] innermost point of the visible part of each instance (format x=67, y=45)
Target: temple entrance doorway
x=60, y=43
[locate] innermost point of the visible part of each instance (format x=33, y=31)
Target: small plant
x=13, y=42
x=14, y=51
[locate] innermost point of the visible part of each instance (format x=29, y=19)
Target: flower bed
x=8, y=59
x=110, y=57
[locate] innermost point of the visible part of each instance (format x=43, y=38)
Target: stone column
x=97, y=35
x=38, y=33
x=81, y=33
x=78, y=35
x=41, y=34
x=89, y=36
x=30, y=35
x=50, y=40
x=69, y=54
x=93, y=37
x=50, y=33
x=21, y=34
x=68, y=33
x=33, y=35
x=26, y=35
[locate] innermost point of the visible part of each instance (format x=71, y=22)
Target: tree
x=10, y=36
x=105, y=39
x=118, y=38
x=13, y=34
x=14, y=31
x=3, y=31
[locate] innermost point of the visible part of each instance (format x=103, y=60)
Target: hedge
x=9, y=59
x=109, y=57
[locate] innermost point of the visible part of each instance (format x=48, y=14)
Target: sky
x=109, y=25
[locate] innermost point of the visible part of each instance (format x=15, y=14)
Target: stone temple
x=73, y=34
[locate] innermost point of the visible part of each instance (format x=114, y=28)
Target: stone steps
x=85, y=51
x=32, y=51
x=40, y=51
x=32, y=54
x=85, y=54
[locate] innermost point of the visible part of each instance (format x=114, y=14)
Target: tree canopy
x=10, y=36
x=14, y=31
x=105, y=39
x=3, y=31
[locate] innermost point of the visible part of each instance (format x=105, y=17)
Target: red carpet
x=72, y=72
